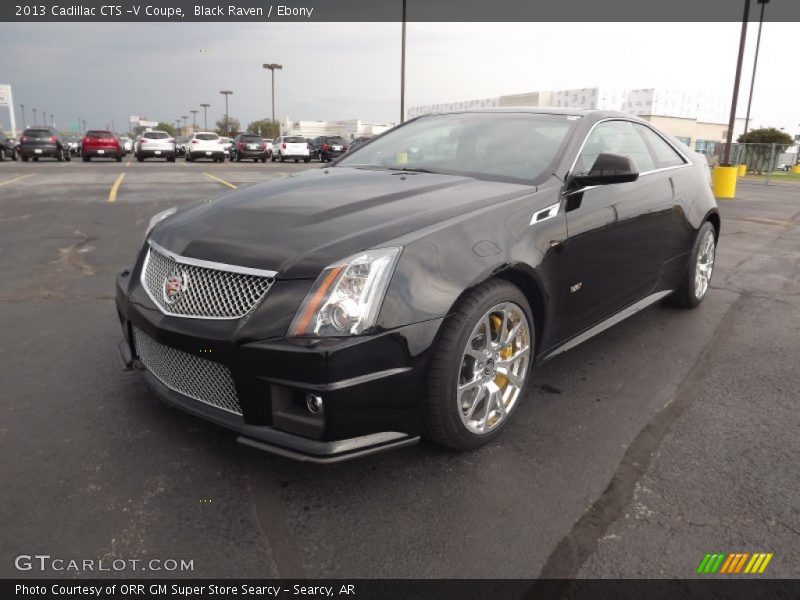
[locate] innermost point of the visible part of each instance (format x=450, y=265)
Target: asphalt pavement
x=668, y=436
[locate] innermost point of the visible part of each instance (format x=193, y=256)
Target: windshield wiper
x=414, y=170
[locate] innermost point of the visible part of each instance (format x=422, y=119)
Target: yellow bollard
x=796, y=169
x=723, y=181
x=742, y=170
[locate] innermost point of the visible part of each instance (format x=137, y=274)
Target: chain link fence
x=759, y=159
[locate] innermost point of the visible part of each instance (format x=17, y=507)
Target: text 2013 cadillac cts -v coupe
x=408, y=288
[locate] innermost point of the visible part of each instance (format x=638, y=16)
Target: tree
x=167, y=127
x=265, y=128
x=228, y=127
x=764, y=146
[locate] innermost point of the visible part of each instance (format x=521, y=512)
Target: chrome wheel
x=493, y=368
x=705, y=265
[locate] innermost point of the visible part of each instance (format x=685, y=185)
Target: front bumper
x=371, y=386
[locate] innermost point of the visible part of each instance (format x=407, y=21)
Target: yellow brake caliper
x=500, y=379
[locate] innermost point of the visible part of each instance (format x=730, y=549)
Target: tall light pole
x=194, y=119
x=227, y=93
x=726, y=159
x=34, y=117
x=403, y=68
x=763, y=4
x=185, y=123
x=272, y=67
x=22, y=108
x=205, y=115
x=52, y=120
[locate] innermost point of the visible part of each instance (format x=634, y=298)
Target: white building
x=698, y=119
x=348, y=129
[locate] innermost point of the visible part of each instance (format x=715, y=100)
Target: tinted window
x=97, y=134
x=207, y=136
x=155, y=135
x=664, y=153
x=250, y=139
x=37, y=133
x=515, y=146
x=615, y=137
x=336, y=140
x=294, y=140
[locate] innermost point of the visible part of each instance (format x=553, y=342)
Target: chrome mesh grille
x=203, y=380
x=205, y=292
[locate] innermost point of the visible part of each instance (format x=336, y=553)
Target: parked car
x=127, y=145
x=8, y=147
x=268, y=144
x=37, y=142
x=206, y=144
x=247, y=146
x=155, y=144
x=73, y=143
x=386, y=298
x=180, y=144
x=291, y=147
x=99, y=143
x=227, y=142
x=326, y=148
x=357, y=142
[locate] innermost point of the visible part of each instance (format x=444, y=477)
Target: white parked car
x=291, y=147
x=270, y=146
x=155, y=144
x=227, y=142
x=206, y=144
x=126, y=143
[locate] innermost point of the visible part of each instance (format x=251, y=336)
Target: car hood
x=300, y=224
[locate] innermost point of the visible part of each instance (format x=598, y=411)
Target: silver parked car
x=158, y=144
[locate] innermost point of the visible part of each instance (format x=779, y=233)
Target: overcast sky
x=351, y=70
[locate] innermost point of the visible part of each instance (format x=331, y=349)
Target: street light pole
x=205, y=115
x=185, y=123
x=726, y=159
x=403, y=68
x=22, y=108
x=763, y=4
x=34, y=117
x=194, y=119
x=272, y=67
x=227, y=93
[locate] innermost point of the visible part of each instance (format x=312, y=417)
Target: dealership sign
x=5, y=94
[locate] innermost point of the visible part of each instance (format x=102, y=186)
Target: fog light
x=313, y=403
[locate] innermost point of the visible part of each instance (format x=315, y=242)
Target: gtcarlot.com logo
x=734, y=563
x=46, y=562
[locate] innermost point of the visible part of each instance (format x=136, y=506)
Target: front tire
x=480, y=366
x=696, y=280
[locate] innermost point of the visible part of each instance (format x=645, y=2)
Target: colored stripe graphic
x=703, y=563
x=734, y=563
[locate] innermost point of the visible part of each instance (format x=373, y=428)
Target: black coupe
x=409, y=288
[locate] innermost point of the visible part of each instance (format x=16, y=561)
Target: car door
x=613, y=252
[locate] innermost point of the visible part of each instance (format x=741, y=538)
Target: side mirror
x=607, y=169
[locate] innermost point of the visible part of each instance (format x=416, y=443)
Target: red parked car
x=98, y=142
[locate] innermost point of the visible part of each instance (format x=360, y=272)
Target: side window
x=664, y=153
x=615, y=137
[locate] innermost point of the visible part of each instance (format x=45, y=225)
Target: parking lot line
x=222, y=181
x=112, y=195
x=7, y=181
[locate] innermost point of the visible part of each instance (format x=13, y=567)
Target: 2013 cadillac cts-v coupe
x=409, y=288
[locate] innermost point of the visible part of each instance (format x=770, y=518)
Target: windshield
x=98, y=135
x=156, y=135
x=507, y=145
x=249, y=139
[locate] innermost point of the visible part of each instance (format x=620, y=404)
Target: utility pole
x=726, y=159
x=194, y=119
x=763, y=4
x=272, y=67
x=205, y=115
x=227, y=93
x=403, y=69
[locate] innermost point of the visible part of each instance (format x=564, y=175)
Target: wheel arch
x=713, y=217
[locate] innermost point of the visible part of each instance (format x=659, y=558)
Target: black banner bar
x=388, y=10
x=733, y=588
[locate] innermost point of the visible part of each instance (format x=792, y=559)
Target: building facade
x=697, y=119
x=348, y=128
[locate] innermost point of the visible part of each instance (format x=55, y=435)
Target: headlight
x=158, y=217
x=347, y=295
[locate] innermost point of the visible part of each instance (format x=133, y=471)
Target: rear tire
x=60, y=156
x=86, y=158
x=119, y=157
x=263, y=159
x=463, y=352
x=697, y=278
x=171, y=159
x=139, y=158
x=306, y=160
x=2, y=154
